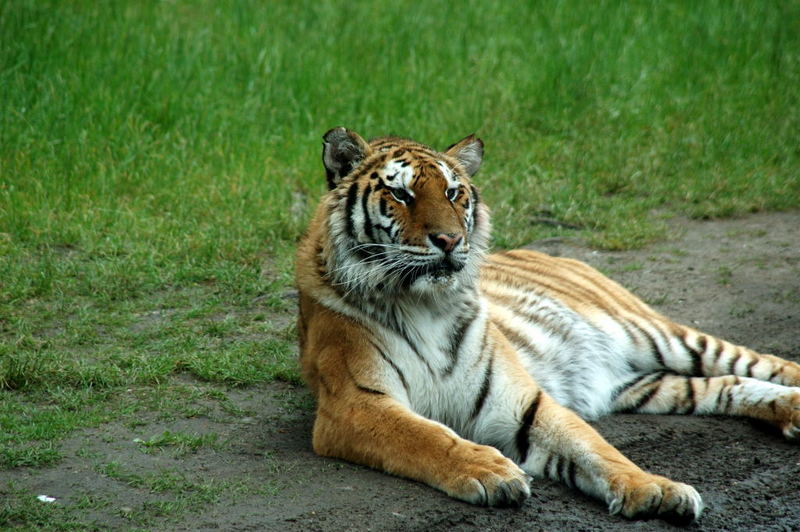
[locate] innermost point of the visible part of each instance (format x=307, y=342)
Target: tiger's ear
x=342, y=151
x=469, y=152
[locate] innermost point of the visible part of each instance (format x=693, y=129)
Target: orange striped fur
x=475, y=373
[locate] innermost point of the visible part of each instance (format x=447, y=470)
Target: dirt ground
x=739, y=279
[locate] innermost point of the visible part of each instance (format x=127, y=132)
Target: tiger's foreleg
x=660, y=393
x=371, y=428
x=554, y=442
x=551, y=441
x=360, y=419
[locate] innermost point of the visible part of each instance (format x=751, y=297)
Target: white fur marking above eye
x=398, y=175
x=448, y=174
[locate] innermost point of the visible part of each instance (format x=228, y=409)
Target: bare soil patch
x=739, y=279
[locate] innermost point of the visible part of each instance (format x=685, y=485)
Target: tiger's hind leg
x=666, y=393
x=686, y=351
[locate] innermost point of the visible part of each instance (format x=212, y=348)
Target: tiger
x=477, y=373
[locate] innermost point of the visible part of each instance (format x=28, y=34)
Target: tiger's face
x=404, y=217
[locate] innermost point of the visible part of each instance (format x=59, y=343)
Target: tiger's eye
x=452, y=193
x=401, y=195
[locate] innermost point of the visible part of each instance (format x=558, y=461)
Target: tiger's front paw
x=645, y=495
x=487, y=478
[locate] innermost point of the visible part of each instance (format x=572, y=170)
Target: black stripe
x=331, y=177
x=457, y=338
x=645, y=398
x=654, y=349
x=697, y=358
x=546, y=468
x=702, y=341
x=484, y=392
x=365, y=208
x=523, y=437
x=556, y=465
x=385, y=357
x=386, y=229
x=626, y=327
x=475, y=196
x=402, y=331
x=352, y=192
x=567, y=472
x=369, y=390
x=360, y=386
x=484, y=342
x=513, y=337
x=476, y=200
x=731, y=362
x=544, y=318
x=624, y=386
x=749, y=370
x=729, y=397
x=722, y=398
x=690, y=396
x=716, y=352
x=570, y=480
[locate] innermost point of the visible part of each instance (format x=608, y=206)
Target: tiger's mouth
x=436, y=272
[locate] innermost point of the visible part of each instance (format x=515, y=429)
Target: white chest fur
x=438, y=355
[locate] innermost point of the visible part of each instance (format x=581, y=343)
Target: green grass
x=175, y=495
x=158, y=162
x=180, y=442
x=21, y=510
x=162, y=481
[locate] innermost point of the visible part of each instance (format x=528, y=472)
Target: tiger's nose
x=445, y=241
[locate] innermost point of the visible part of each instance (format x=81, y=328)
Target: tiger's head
x=403, y=218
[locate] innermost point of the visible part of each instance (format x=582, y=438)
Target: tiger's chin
x=436, y=283
x=442, y=279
